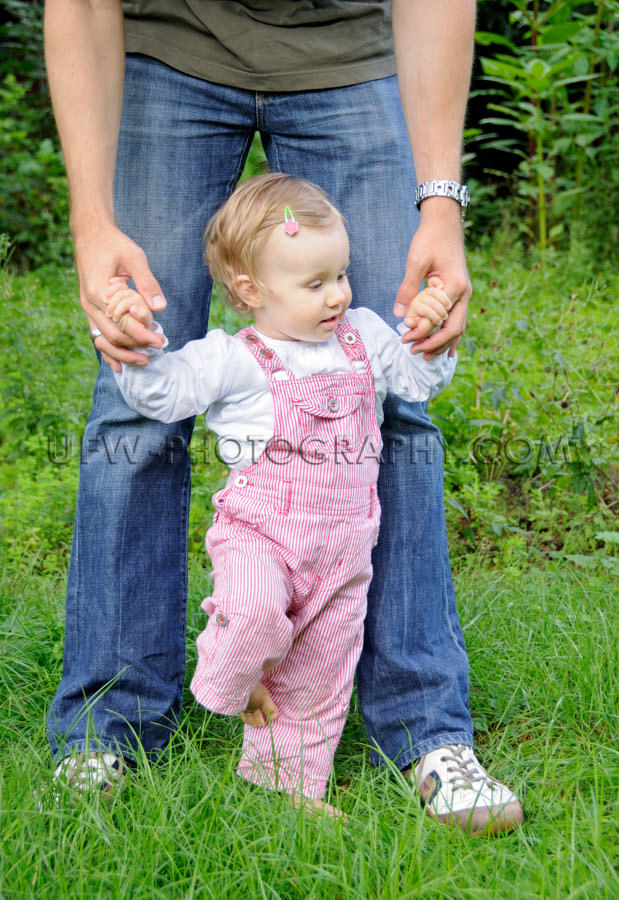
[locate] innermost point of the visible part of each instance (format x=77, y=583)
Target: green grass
x=534, y=551
x=544, y=692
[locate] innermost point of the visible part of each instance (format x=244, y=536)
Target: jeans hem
x=407, y=756
x=98, y=745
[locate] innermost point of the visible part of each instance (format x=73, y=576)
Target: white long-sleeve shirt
x=217, y=375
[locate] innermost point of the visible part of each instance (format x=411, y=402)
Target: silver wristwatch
x=441, y=188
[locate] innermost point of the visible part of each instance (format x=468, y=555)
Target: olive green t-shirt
x=266, y=45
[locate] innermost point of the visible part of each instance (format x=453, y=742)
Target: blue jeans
x=182, y=148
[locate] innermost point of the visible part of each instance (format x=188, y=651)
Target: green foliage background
x=543, y=130
x=529, y=421
x=542, y=139
x=34, y=204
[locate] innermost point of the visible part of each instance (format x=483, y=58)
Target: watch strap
x=442, y=188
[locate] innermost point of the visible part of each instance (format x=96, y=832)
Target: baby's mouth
x=330, y=320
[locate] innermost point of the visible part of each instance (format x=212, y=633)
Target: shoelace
x=467, y=770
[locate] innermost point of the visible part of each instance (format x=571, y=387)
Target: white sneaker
x=91, y=771
x=457, y=790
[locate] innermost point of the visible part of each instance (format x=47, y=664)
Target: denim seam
x=260, y=103
x=186, y=495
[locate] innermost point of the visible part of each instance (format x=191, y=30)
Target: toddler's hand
x=260, y=708
x=124, y=304
x=428, y=309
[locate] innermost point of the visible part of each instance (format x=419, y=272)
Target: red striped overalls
x=291, y=550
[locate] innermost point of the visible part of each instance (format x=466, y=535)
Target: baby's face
x=304, y=290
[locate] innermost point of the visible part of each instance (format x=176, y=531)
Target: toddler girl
x=296, y=402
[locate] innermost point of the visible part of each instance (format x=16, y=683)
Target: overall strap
x=351, y=342
x=267, y=359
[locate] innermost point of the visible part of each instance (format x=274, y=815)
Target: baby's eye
x=342, y=276
x=315, y=285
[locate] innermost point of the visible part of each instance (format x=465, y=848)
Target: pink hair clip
x=291, y=226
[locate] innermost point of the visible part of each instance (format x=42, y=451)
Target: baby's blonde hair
x=236, y=235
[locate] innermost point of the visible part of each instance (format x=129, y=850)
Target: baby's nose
x=337, y=294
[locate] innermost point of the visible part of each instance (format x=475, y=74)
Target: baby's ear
x=248, y=291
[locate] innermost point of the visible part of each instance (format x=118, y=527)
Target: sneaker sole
x=490, y=821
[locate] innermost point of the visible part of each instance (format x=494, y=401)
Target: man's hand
x=102, y=255
x=128, y=309
x=85, y=56
x=260, y=708
x=437, y=250
x=434, y=45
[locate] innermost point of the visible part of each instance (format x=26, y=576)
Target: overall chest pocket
x=334, y=413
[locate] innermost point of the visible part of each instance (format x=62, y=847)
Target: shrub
x=33, y=191
x=550, y=88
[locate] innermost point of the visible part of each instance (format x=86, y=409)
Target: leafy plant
x=21, y=32
x=554, y=103
x=33, y=192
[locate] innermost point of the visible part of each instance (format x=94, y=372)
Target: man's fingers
x=114, y=355
x=418, y=330
x=113, y=363
x=115, y=345
x=447, y=338
x=146, y=284
x=131, y=332
x=113, y=259
x=408, y=290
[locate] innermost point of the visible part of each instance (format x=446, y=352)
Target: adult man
x=316, y=80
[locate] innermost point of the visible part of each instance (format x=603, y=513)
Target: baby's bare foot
x=316, y=807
